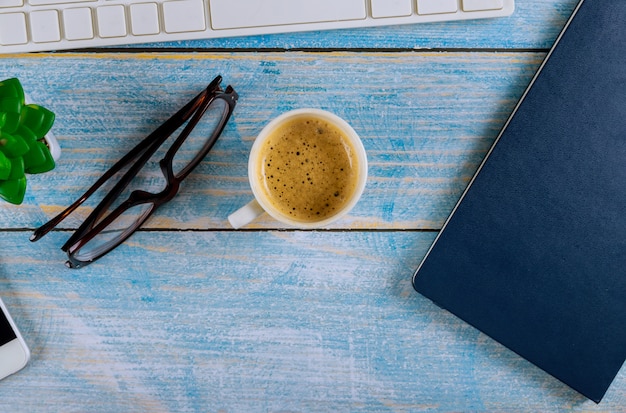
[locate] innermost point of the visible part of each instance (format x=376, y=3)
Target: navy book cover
x=534, y=253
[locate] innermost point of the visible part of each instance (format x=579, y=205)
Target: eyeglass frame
x=94, y=224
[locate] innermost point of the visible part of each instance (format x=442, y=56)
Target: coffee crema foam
x=309, y=169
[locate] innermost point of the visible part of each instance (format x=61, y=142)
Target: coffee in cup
x=307, y=168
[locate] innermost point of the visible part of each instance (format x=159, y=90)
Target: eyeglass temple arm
x=45, y=228
x=163, y=131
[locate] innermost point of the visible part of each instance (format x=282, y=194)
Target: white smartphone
x=14, y=353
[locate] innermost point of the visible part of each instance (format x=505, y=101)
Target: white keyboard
x=44, y=25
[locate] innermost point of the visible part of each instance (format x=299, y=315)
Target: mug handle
x=245, y=214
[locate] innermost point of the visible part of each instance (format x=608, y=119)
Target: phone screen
x=6, y=331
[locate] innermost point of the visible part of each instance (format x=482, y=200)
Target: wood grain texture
x=191, y=316
x=426, y=119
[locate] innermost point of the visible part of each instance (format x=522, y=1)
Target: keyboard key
x=49, y=2
x=479, y=5
x=44, y=26
x=437, y=6
x=111, y=21
x=13, y=29
x=184, y=16
x=232, y=14
x=391, y=8
x=144, y=18
x=78, y=23
x=11, y=3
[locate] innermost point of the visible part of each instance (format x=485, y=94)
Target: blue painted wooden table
x=192, y=316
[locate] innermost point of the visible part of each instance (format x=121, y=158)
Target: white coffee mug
x=261, y=204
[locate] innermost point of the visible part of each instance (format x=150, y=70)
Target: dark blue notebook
x=534, y=253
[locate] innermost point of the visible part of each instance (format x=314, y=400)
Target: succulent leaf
x=38, y=119
x=17, y=168
x=5, y=167
x=11, y=107
x=35, y=155
x=47, y=163
x=13, y=191
x=13, y=145
x=11, y=88
x=25, y=133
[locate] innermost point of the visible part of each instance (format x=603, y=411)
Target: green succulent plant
x=22, y=147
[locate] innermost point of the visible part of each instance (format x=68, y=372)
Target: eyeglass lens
x=194, y=147
x=123, y=225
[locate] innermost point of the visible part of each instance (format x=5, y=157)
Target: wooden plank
x=426, y=120
x=255, y=321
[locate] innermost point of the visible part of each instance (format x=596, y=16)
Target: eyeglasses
x=128, y=204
